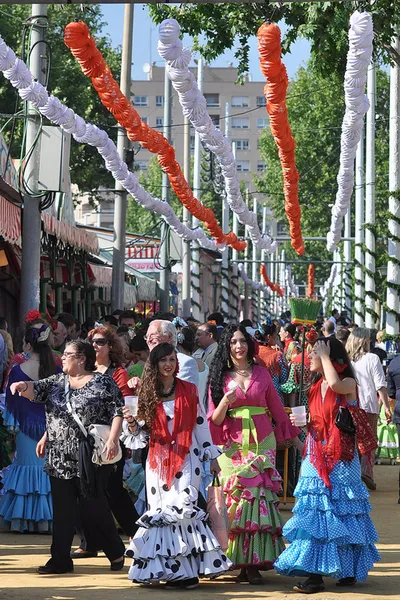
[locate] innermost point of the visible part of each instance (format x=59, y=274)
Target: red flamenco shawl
x=327, y=444
x=169, y=450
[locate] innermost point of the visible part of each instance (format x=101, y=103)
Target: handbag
x=218, y=512
x=344, y=421
x=99, y=432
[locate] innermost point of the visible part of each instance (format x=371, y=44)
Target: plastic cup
x=300, y=415
x=131, y=402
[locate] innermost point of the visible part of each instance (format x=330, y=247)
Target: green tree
x=66, y=81
x=325, y=24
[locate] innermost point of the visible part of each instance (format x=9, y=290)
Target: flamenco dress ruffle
x=251, y=485
x=26, y=504
x=388, y=439
x=331, y=532
x=175, y=543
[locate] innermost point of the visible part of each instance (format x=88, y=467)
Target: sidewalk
x=92, y=580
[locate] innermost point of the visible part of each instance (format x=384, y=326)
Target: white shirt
x=370, y=378
x=188, y=370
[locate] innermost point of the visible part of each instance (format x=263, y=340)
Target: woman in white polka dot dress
x=174, y=543
x=331, y=532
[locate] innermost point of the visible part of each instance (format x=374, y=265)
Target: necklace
x=242, y=372
x=168, y=392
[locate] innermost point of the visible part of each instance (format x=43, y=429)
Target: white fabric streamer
x=289, y=281
x=256, y=285
x=51, y=107
x=324, y=289
x=194, y=108
x=358, y=59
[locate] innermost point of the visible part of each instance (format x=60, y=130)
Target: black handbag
x=344, y=421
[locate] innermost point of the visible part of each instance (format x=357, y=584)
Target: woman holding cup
x=331, y=533
x=241, y=395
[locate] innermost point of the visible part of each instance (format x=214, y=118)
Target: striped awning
x=10, y=222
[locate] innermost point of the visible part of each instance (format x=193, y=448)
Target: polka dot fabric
x=331, y=532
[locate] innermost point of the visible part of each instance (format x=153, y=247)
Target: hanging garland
x=32, y=91
x=274, y=71
x=292, y=287
x=83, y=46
x=311, y=281
x=256, y=285
x=357, y=104
x=194, y=105
x=327, y=287
x=274, y=286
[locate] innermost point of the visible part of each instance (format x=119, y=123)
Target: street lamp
x=215, y=269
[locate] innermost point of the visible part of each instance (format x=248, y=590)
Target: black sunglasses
x=99, y=341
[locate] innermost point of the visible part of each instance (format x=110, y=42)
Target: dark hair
x=86, y=327
x=66, y=319
x=266, y=332
x=114, y=344
x=188, y=342
x=337, y=354
x=47, y=365
x=217, y=317
x=117, y=312
x=335, y=310
x=127, y=314
x=246, y=323
x=164, y=316
x=149, y=395
x=138, y=343
x=86, y=350
x=110, y=319
x=3, y=323
x=342, y=333
x=290, y=328
x=222, y=360
x=211, y=328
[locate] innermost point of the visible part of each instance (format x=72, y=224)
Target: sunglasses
x=99, y=341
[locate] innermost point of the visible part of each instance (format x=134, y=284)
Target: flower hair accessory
x=131, y=333
x=32, y=315
x=41, y=334
x=179, y=322
x=312, y=335
x=180, y=338
x=212, y=322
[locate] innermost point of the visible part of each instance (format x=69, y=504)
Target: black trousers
x=101, y=530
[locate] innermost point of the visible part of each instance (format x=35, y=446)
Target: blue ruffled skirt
x=331, y=532
x=26, y=504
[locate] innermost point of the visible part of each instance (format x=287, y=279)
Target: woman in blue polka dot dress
x=331, y=532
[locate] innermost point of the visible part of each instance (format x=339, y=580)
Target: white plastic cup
x=131, y=402
x=300, y=415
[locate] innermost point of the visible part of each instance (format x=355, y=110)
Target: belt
x=246, y=413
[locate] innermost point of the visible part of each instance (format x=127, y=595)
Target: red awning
x=10, y=222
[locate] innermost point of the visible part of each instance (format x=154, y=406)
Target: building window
x=240, y=123
x=160, y=101
x=261, y=101
x=261, y=167
x=259, y=144
x=243, y=166
x=159, y=122
x=144, y=119
x=262, y=122
x=141, y=165
x=242, y=144
x=240, y=101
x=215, y=119
x=140, y=100
x=281, y=228
x=212, y=100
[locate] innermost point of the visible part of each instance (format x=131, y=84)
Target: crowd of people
x=212, y=400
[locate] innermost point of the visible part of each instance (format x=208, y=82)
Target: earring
x=229, y=364
x=27, y=355
x=249, y=362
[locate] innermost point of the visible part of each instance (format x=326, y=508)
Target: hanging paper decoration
x=311, y=281
x=274, y=71
x=194, y=107
x=293, y=289
x=274, y=286
x=83, y=46
x=357, y=104
x=51, y=107
x=256, y=285
x=324, y=289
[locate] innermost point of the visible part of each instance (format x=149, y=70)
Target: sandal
x=346, y=582
x=254, y=576
x=242, y=577
x=309, y=588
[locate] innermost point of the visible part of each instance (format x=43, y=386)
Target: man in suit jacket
x=206, y=340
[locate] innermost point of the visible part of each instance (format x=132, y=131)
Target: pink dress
x=251, y=481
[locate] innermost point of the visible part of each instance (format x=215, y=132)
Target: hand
x=214, y=466
x=127, y=414
x=134, y=383
x=292, y=419
x=41, y=448
x=388, y=414
x=321, y=349
x=111, y=449
x=18, y=386
x=230, y=397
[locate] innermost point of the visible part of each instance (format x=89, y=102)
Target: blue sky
x=146, y=38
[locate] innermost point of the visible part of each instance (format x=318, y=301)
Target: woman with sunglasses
x=109, y=357
x=96, y=399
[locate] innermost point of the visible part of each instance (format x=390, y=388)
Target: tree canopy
x=67, y=82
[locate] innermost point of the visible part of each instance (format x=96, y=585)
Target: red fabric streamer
x=78, y=39
x=311, y=281
x=274, y=286
x=274, y=71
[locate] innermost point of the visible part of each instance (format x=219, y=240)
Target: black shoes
x=49, y=570
x=118, y=565
x=83, y=554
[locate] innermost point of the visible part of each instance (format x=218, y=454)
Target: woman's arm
x=219, y=413
x=384, y=398
x=23, y=388
x=344, y=387
x=121, y=378
x=113, y=439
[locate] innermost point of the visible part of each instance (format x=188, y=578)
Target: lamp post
x=215, y=269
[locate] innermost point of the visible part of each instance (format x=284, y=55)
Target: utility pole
x=164, y=248
x=121, y=195
x=263, y=297
x=186, y=220
x=370, y=319
x=225, y=229
x=359, y=235
x=235, y=275
x=393, y=270
x=195, y=279
x=31, y=220
x=254, y=274
x=245, y=267
x=347, y=259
